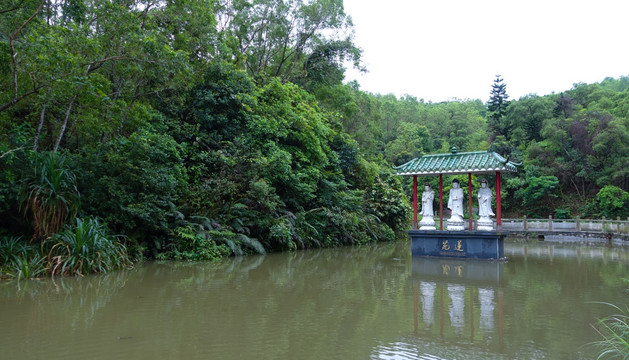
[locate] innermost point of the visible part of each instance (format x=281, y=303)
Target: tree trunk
x=64, y=124
x=42, y=116
x=68, y=110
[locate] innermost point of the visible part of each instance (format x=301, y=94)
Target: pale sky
x=440, y=50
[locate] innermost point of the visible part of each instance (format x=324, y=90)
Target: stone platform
x=484, y=245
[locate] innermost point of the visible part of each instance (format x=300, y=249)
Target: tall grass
x=85, y=248
x=614, y=331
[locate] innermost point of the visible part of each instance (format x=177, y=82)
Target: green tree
x=289, y=39
x=524, y=118
x=412, y=141
x=497, y=107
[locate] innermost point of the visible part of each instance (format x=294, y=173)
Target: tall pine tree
x=497, y=106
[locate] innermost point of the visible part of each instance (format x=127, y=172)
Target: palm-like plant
x=19, y=260
x=85, y=248
x=50, y=195
x=11, y=249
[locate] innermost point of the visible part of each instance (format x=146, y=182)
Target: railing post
x=550, y=223
x=618, y=225
x=578, y=223
x=603, y=225
x=524, y=225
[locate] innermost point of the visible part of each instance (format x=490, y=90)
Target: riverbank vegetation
x=199, y=129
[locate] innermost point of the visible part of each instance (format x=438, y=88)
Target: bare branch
x=16, y=100
x=10, y=151
x=98, y=63
x=14, y=54
x=11, y=9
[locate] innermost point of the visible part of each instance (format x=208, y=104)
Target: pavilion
x=478, y=244
x=477, y=162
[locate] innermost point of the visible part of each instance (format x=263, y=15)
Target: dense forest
x=197, y=129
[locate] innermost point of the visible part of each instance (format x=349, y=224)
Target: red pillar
x=500, y=319
x=498, y=203
x=440, y=202
x=469, y=198
x=416, y=307
x=415, y=202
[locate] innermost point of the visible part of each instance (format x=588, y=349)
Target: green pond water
x=372, y=302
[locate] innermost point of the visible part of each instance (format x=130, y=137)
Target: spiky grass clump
x=20, y=260
x=85, y=248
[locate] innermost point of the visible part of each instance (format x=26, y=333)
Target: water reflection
x=428, y=299
x=487, y=306
x=539, y=304
x=467, y=289
x=352, y=303
x=306, y=305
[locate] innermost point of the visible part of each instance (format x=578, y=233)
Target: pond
x=372, y=302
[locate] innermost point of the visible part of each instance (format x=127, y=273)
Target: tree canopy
x=202, y=128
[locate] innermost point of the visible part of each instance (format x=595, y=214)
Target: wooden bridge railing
x=603, y=225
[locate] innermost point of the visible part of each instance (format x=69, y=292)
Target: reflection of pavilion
x=460, y=296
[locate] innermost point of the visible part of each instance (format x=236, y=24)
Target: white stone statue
x=427, y=222
x=455, y=204
x=484, y=207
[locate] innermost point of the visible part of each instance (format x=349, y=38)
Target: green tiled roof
x=477, y=162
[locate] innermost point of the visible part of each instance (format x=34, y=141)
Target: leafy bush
x=538, y=188
x=134, y=183
x=612, y=202
x=385, y=200
x=85, y=248
x=562, y=214
x=192, y=243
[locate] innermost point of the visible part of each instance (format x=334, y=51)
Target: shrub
x=193, y=243
x=612, y=201
x=561, y=214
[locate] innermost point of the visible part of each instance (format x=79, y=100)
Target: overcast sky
x=440, y=50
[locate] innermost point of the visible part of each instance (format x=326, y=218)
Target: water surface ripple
x=372, y=302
